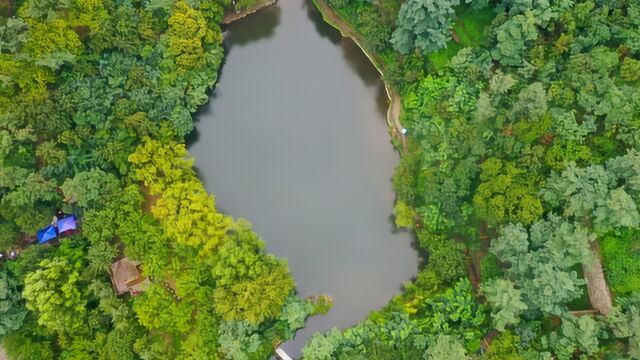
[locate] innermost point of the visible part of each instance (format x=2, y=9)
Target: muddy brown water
x=294, y=139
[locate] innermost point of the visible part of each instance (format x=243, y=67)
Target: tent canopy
x=66, y=224
x=46, y=234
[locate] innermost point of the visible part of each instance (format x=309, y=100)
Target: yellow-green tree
x=188, y=35
x=53, y=292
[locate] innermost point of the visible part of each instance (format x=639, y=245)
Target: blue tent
x=67, y=224
x=46, y=234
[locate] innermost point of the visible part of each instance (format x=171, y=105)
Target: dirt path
x=395, y=102
x=234, y=16
x=599, y=293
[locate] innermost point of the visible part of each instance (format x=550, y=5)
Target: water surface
x=294, y=139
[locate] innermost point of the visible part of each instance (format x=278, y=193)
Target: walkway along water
x=394, y=110
x=295, y=140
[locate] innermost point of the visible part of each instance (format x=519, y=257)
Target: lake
x=294, y=139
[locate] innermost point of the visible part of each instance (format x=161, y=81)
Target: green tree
x=189, y=216
x=624, y=321
x=424, y=25
x=53, y=292
x=444, y=347
x=12, y=310
x=89, y=189
x=446, y=256
x=575, y=333
x=239, y=340
x=9, y=235
x=294, y=313
x=513, y=38
x=504, y=347
x=506, y=300
x=323, y=347
x=249, y=283
x=506, y=193
x=597, y=194
x=25, y=346
x=100, y=256
x=541, y=264
x=455, y=312
x=188, y=35
x=630, y=70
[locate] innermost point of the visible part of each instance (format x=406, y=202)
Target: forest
x=520, y=179
x=95, y=100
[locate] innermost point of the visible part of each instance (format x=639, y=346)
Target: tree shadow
x=254, y=27
x=356, y=59
x=325, y=30
x=360, y=63
x=423, y=255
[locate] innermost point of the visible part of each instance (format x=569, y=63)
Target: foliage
x=90, y=188
x=424, y=25
x=504, y=195
x=24, y=346
x=445, y=347
x=455, y=312
x=581, y=333
x=489, y=267
x=52, y=291
x=540, y=276
x=620, y=256
x=624, y=321
x=445, y=256
x=12, y=311
x=100, y=256
x=249, y=284
x=504, y=347
x=96, y=96
x=505, y=128
x=239, y=340
x=507, y=300
x=604, y=195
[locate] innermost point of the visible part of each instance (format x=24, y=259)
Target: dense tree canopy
x=11, y=307
x=521, y=156
x=52, y=291
x=95, y=101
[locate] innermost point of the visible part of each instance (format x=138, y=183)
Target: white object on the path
x=403, y=131
x=280, y=354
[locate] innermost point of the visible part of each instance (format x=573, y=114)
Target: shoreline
x=331, y=17
x=233, y=16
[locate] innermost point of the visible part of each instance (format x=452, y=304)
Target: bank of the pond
x=332, y=18
x=235, y=16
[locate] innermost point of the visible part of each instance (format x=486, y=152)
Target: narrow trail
x=332, y=18
x=599, y=293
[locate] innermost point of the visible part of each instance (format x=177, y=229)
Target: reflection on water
x=245, y=32
x=322, y=27
x=295, y=140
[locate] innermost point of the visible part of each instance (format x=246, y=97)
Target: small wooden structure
x=127, y=277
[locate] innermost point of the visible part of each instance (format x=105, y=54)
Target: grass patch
x=469, y=26
x=621, y=260
x=473, y=22
x=490, y=268
x=582, y=302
